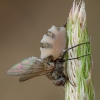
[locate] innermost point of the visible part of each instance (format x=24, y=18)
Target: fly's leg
x=72, y=48
x=78, y=57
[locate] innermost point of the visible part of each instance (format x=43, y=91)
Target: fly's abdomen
x=53, y=42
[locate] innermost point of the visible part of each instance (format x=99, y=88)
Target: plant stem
x=79, y=70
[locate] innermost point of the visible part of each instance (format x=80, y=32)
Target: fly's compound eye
x=60, y=81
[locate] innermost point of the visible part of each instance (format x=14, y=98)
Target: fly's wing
x=29, y=66
x=32, y=75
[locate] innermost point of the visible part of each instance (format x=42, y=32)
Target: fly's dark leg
x=78, y=57
x=76, y=46
x=72, y=48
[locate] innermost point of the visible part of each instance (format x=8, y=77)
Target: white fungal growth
x=58, y=42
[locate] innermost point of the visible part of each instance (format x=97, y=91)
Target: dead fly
x=53, y=51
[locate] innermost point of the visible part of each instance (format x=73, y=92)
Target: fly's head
x=57, y=73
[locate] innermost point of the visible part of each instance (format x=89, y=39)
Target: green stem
x=79, y=70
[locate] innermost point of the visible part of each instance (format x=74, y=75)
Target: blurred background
x=22, y=25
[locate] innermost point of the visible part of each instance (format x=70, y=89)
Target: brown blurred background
x=22, y=25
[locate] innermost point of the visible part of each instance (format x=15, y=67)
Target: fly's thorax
x=48, y=63
x=53, y=42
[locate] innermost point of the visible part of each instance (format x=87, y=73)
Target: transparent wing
x=30, y=65
x=32, y=75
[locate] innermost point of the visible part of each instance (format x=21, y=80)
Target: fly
x=53, y=51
